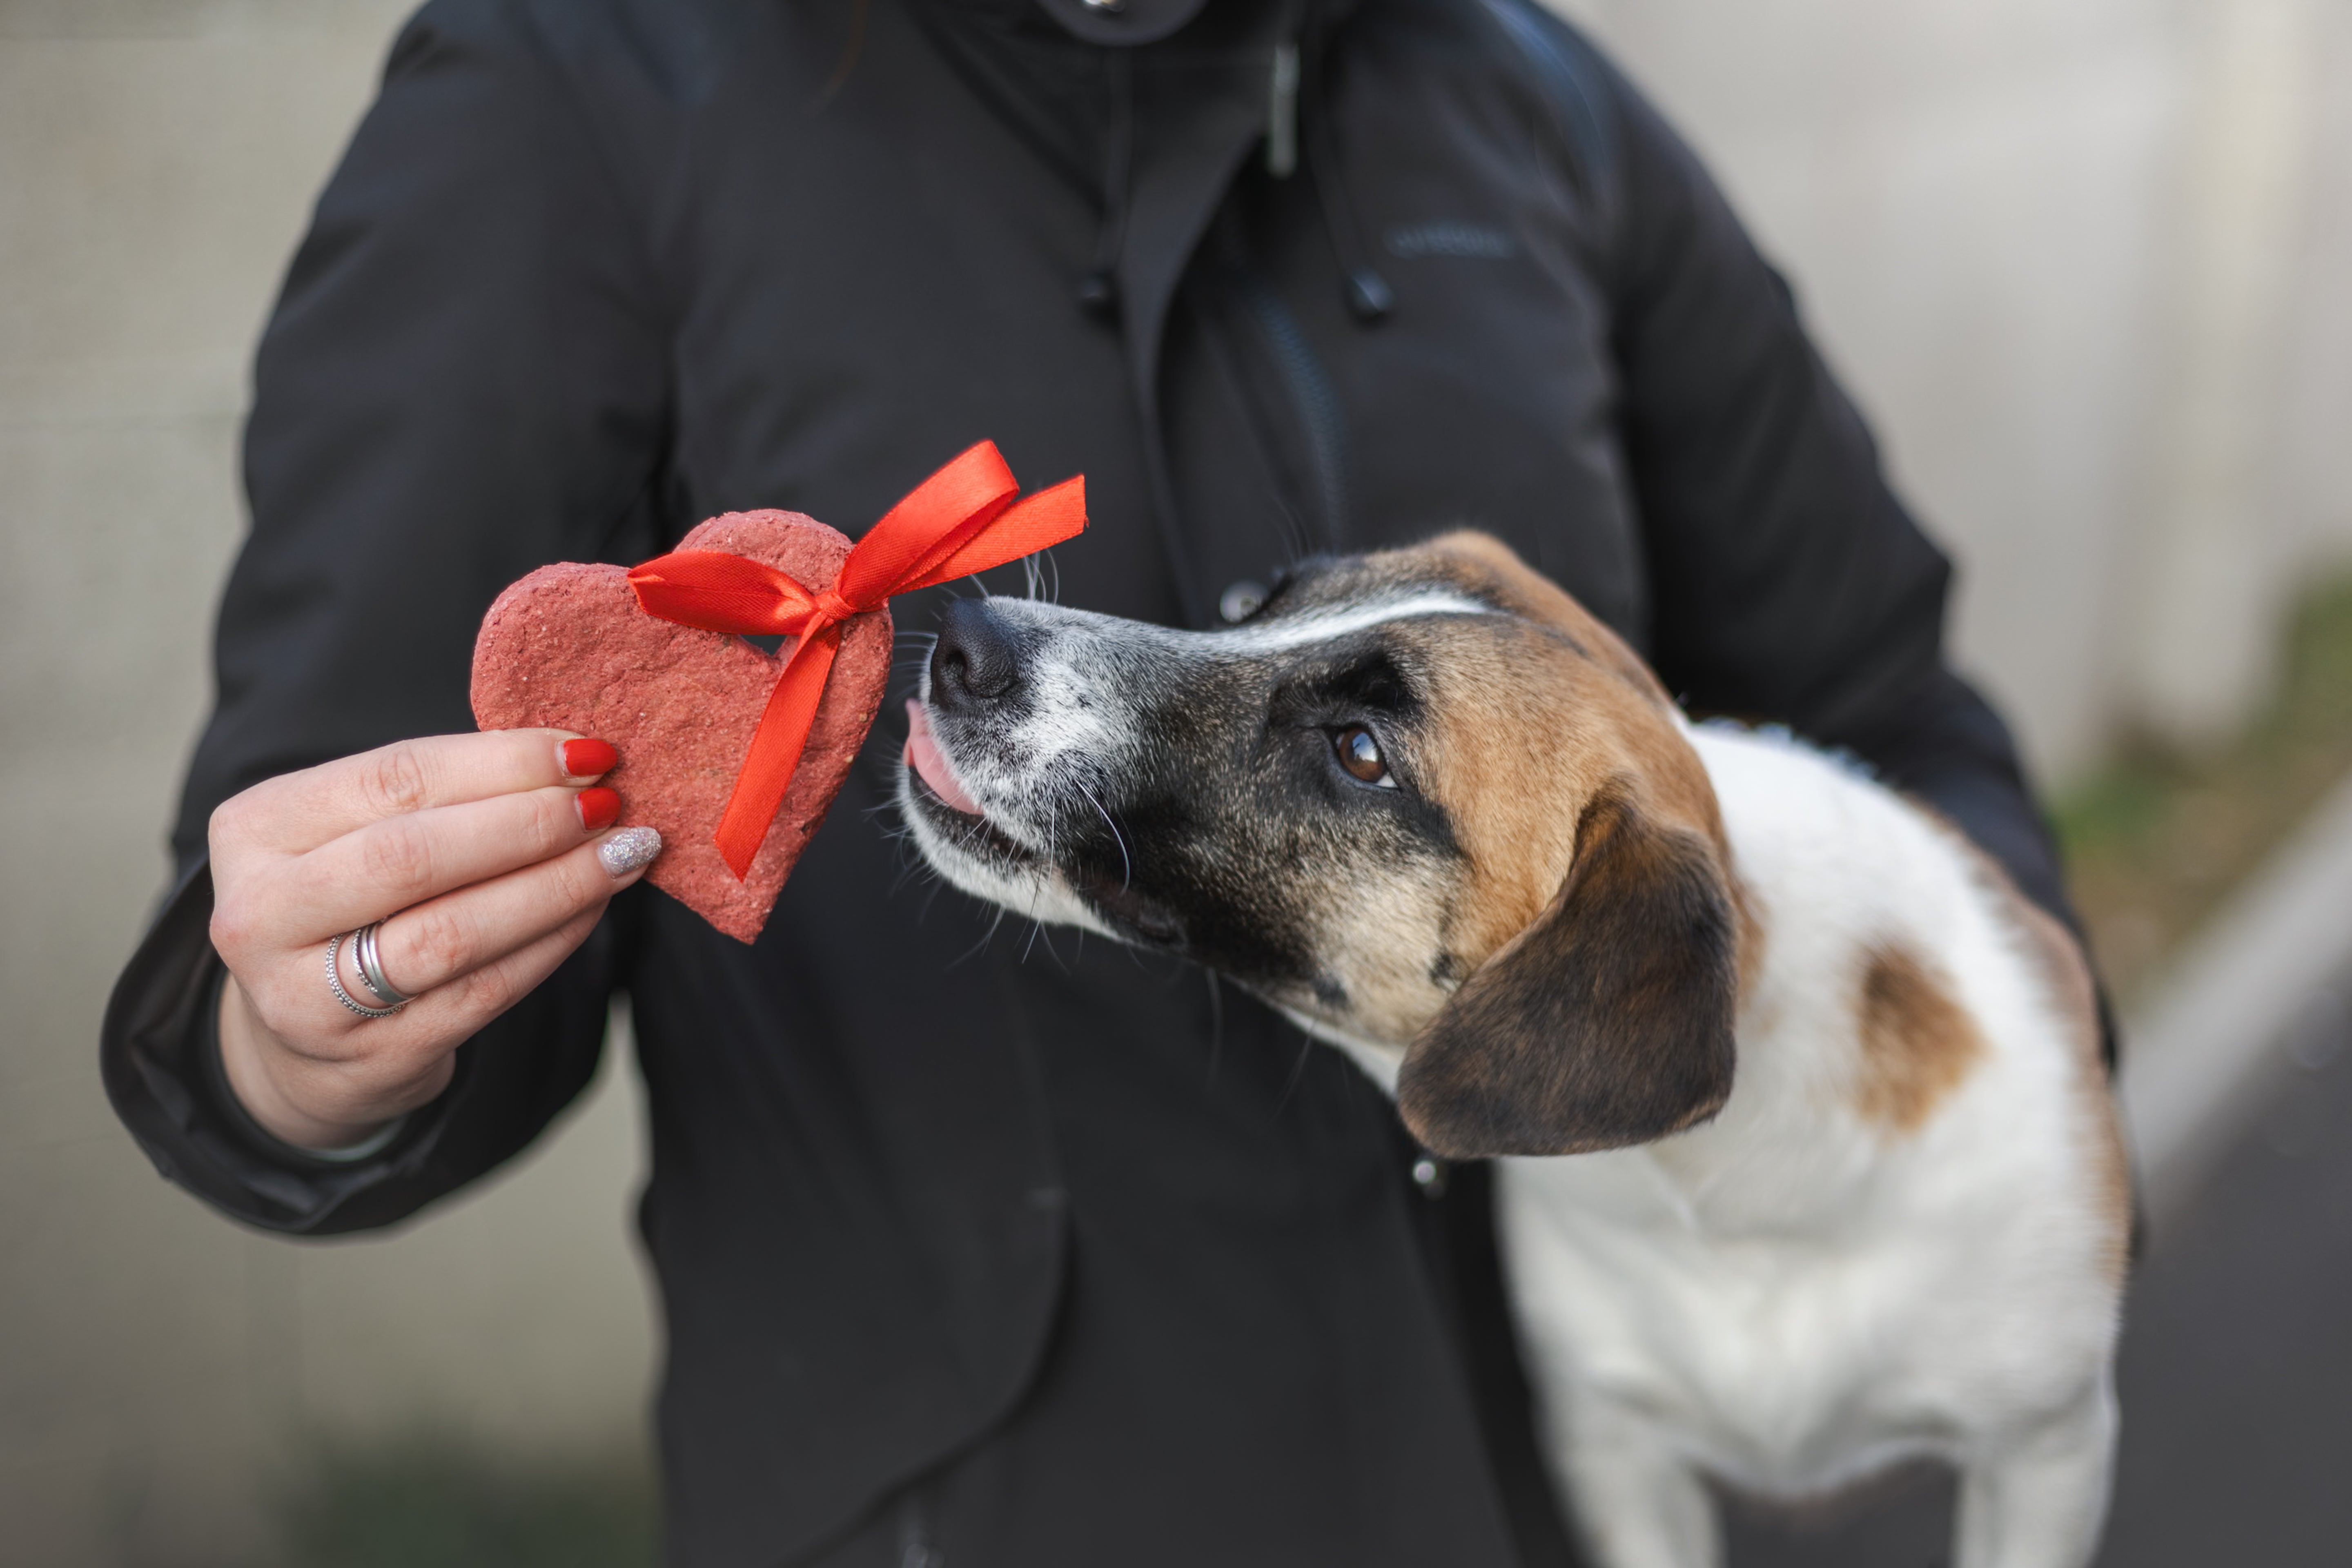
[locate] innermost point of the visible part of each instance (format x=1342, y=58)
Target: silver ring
x=372, y=966
x=335, y=984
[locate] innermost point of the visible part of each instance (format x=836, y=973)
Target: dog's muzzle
x=973, y=691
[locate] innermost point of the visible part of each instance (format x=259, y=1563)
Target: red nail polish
x=598, y=807
x=587, y=758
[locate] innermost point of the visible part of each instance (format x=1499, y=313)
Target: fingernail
x=628, y=849
x=598, y=807
x=586, y=759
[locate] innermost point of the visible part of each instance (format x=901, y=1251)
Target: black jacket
x=1123, y=1266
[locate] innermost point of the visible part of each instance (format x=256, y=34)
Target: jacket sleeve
x=462, y=381
x=1789, y=585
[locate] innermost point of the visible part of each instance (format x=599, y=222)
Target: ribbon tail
x=942, y=512
x=776, y=748
x=1029, y=525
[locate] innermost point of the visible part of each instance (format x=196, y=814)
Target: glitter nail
x=628, y=849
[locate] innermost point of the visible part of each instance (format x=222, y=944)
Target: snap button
x=1241, y=600
x=1429, y=1175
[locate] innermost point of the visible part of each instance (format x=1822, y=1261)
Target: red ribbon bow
x=962, y=520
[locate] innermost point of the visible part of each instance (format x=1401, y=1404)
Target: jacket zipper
x=1282, y=112
x=1310, y=392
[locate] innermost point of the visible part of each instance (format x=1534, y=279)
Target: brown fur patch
x=1538, y=717
x=1499, y=574
x=1917, y=1043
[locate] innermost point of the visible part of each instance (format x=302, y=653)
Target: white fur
x=1036, y=892
x=1791, y=1296
x=1328, y=626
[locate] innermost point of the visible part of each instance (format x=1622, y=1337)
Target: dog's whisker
x=1216, y=1023
x=1297, y=1070
x=1126, y=865
x=911, y=863
x=995, y=919
x=1040, y=931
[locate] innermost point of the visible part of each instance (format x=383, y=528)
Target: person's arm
x=464, y=378
x=1789, y=582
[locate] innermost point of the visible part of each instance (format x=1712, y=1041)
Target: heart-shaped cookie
x=570, y=647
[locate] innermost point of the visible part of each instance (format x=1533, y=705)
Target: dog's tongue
x=923, y=756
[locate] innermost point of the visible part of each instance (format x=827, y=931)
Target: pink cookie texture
x=569, y=648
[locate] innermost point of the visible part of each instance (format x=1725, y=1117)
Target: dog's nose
x=976, y=659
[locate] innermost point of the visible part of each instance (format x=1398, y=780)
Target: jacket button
x=1429, y=1175
x=1241, y=600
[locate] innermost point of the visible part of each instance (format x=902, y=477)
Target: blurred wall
x=2088, y=265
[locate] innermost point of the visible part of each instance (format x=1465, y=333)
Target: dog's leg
x=1639, y=1503
x=2040, y=1501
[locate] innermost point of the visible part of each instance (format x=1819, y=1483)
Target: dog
x=1806, y=1159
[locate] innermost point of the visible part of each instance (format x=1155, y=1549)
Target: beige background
x=2088, y=264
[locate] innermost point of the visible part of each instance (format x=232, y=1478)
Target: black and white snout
x=977, y=660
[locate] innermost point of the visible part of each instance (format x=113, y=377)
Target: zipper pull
x=1282, y=112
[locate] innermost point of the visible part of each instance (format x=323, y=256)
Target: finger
x=422, y=949
x=388, y=866
x=297, y=812
x=485, y=993
x=378, y=1068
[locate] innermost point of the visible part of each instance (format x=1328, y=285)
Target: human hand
x=486, y=858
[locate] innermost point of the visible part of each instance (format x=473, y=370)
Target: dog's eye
x=1359, y=754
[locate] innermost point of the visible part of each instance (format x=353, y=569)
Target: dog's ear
x=1608, y=1022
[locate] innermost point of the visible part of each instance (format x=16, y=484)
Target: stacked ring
x=372, y=966
x=335, y=980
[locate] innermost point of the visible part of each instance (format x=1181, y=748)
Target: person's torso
x=878, y=1131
